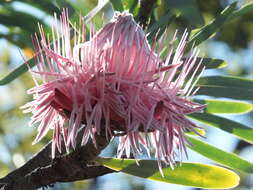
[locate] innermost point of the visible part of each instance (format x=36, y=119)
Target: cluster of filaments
x=115, y=85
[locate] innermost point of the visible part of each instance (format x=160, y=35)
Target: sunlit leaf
x=211, y=28
x=188, y=174
x=200, y=131
x=225, y=158
x=225, y=106
x=239, y=130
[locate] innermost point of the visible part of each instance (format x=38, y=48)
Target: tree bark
x=41, y=170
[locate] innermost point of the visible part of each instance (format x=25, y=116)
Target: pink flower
x=113, y=83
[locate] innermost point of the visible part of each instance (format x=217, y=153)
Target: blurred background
x=18, y=22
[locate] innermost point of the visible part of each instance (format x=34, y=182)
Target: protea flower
x=113, y=84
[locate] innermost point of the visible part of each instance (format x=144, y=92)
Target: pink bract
x=113, y=84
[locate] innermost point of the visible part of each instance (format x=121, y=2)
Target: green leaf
x=224, y=86
x=188, y=174
x=248, y=8
x=17, y=72
x=11, y=17
x=117, y=5
x=46, y=5
x=228, y=81
x=225, y=158
x=20, y=38
x=200, y=131
x=225, y=106
x=211, y=28
x=227, y=92
x=239, y=130
x=210, y=63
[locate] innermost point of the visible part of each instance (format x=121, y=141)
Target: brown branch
x=41, y=159
x=39, y=171
x=88, y=173
x=48, y=175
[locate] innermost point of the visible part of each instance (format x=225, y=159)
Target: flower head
x=115, y=84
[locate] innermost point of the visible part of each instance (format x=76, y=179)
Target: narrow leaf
x=210, y=63
x=188, y=174
x=211, y=28
x=225, y=158
x=239, y=130
x=200, y=131
x=17, y=72
x=227, y=81
x=228, y=87
x=227, y=92
x=12, y=17
x=248, y=8
x=46, y=5
x=225, y=106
